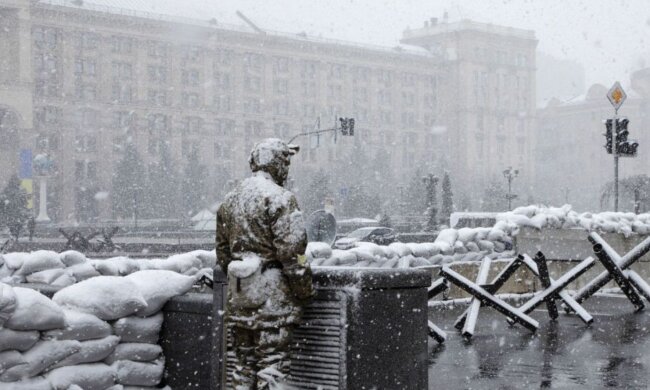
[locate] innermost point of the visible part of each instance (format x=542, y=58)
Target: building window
x=47, y=115
x=190, y=100
x=157, y=74
x=360, y=74
x=252, y=84
x=85, y=67
x=281, y=86
x=222, y=80
x=281, y=130
x=122, y=71
x=157, y=97
x=85, y=143
x=308, y=89
x=222, y=103
x=86, y=91
x=252, y=128
x=122, y=45
x=253, y=61
x=192, y=125
x=45, y=37
x=191, y=53
x=385, y=97
x=224, y=57
x=158, y=124
x=46, y=88
x=252, y=106
x=88, y=41
x=157, y=49
x=308, y=69
x=122, y=93
x=336, y=71
x=280, y=65
x=191, y=77
x=408, y=98
x=123, y=119
x=224, y=126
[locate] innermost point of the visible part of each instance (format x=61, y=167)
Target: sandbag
x=80, y=326
x=104, y=267
x=10, y=359
x=91, y=351
x=16, y=339
x=64, y=280
x=139, y=373
x=363, y=254
x=38, y=383
x=466, y=234
x=82, y=271
x=107, y=297
x=97, y=376
x=43, y=355
x=44, y=277
x=137, y=352
x=318, y=250
x=7, y=303
x=39, y=261
x=400, y=248
x=158, y=286
x=70, y=258
x=15, y=260
x=139, y=330
x=34, y=311
x=390, y=263
x=448, y=236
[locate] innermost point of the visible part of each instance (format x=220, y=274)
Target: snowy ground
x=614, y=352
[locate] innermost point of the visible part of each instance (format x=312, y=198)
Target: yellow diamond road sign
x=616, y=95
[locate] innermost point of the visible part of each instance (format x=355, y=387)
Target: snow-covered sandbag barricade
x=71, y=267
x=100, y=333
x=540, y=217
x=451, y=245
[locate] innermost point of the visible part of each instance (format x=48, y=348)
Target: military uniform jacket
x=263, y=218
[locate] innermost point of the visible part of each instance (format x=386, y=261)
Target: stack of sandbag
x=100, y=333
x=70, y=267
x=540, y=217
x=451, y=245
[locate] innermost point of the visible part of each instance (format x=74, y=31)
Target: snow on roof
x=203, y=215
x=179, y=12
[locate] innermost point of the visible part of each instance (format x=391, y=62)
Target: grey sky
x=609, y=38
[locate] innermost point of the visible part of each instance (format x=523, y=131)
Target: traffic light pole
x=615, y=152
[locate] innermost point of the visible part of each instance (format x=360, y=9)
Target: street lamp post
x=430, y=181
x=510, y=174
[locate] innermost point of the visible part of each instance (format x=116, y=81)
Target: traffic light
x=347, y=126
x=623, y=146
x=609, y=123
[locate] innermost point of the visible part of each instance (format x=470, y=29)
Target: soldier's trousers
x=262, y=357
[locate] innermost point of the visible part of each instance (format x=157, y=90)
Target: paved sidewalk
x=614, y=352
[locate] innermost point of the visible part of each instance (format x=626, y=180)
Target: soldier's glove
x=299, y=278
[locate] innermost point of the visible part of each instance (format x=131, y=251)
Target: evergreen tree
x=447, y=200
x=385, y=220
x=13, y=206
x=194, y=185
x=494, y=197
x=317, y=190
x=129, y=183
x=163, y=195
x=415, y=196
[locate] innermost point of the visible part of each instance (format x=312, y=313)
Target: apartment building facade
x=92, y=79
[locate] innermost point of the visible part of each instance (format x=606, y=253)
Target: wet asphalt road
x=613, y=352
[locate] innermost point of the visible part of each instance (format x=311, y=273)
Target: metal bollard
x=219, y=338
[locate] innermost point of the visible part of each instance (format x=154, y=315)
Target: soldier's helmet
x=272, y=155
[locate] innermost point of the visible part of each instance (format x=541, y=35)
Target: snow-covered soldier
x=261, y=242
